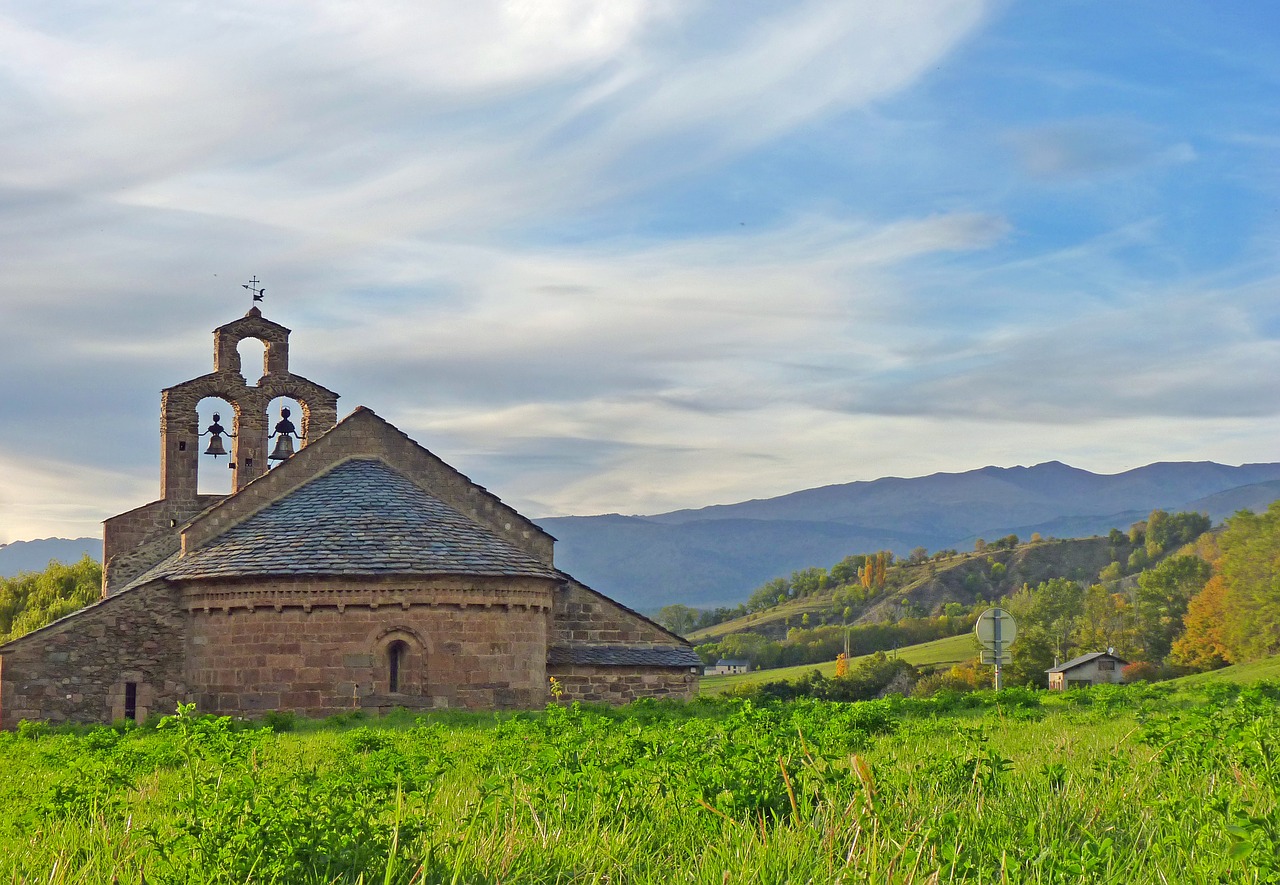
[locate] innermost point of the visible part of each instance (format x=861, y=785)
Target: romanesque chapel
x=359, y=573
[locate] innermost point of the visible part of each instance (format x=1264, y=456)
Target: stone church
x=359, y=573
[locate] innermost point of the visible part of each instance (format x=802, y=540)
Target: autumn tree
x=1201, y=645
x=1161, y=600
x=1250, y=570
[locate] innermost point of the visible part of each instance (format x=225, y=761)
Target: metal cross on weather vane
x=252, y=286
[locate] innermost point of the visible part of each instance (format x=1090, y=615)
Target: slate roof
x=1084, y=659
x=623, y=655
x=361, y=518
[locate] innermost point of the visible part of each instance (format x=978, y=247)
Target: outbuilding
x=728, y=667
x=1095, y=668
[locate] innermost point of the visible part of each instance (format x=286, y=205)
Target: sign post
x=996, y=630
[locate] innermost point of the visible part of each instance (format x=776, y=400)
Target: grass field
x=1237, y=673
x=1129, y=785
x=938, y=653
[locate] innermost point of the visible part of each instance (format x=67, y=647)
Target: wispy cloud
x=639, y=255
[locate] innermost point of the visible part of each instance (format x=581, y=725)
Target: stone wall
x=76, y=669
x=322, y=647
x=136, y=540
x=621, y=685
x=583, y=615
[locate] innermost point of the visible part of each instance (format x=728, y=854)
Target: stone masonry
x=77, y=669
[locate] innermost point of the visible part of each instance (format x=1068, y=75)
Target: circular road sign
x=996, y=623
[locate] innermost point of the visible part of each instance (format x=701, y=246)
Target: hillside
x=924, y=588
x=712, y=556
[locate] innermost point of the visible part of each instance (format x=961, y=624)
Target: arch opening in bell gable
x=213, y=474
x=253, y=360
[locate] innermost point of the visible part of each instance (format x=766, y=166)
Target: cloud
x=422, y=117
x=42, y=497
x=1078, y=150
x=621, y=256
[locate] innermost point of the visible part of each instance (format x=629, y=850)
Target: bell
x=283, y=449
x=215, y=446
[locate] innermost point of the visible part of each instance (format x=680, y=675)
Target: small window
x=1106, y=665
x=396, y=652
x=131, y=701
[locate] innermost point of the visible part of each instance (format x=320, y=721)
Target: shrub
x=1140, y=671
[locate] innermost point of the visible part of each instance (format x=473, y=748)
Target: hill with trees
x=709, y=557
x=1127, y=590
x=1175, y=597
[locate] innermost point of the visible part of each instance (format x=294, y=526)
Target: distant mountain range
x=34, y=556
x=717, y=555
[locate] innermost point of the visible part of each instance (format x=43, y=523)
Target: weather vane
x=252, y=286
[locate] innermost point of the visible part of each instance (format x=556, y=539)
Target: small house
x=1095, y=668
x=728, y=667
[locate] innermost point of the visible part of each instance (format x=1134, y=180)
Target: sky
x=628, y=256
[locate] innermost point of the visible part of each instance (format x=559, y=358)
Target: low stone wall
x=622, y=685
x=77, y=669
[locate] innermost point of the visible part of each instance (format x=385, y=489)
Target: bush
x=1140, y=671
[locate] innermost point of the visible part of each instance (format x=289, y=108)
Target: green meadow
x=1135, y=784
x=938, y=654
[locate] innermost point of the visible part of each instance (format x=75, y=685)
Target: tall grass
x=1123, y=785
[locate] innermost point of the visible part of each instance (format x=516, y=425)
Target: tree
x=769, y=594
x=32, y=599
x=1202, y=645
x=1250, y=569
x=679, y=619
x=808, y=581
x=846, y=570
x=1160, y=602
x=1046, y=617
x=1158, y=533
x=919, y=555
x=1105, y=621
